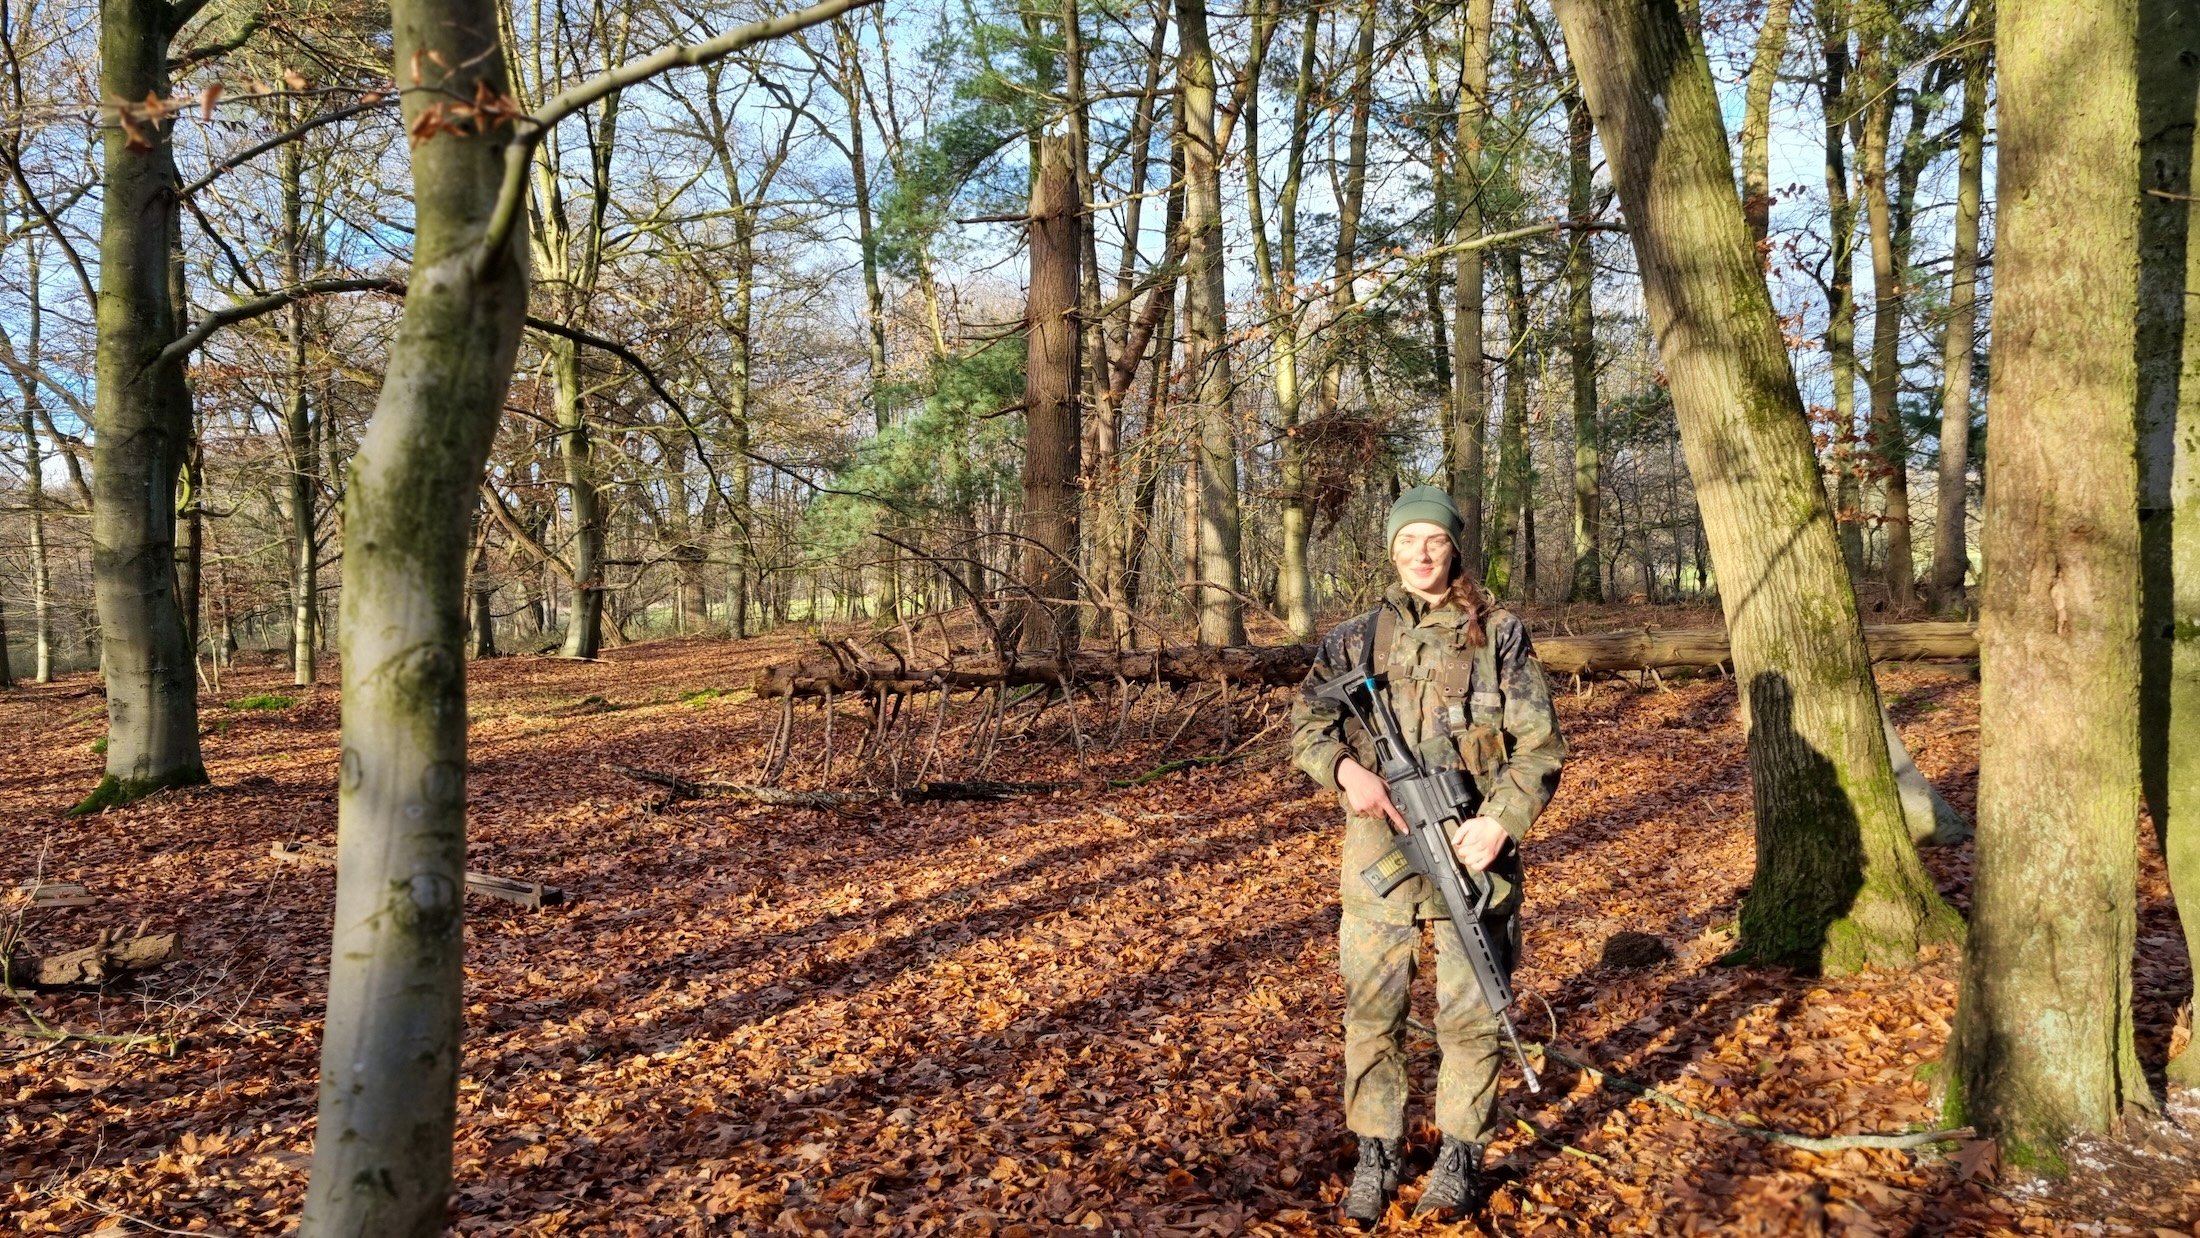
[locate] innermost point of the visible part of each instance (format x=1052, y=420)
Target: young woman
x=1469, y=694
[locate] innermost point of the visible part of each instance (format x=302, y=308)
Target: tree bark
x=34, y=480
x=1833, y=22
x=305, y=550
x=2168, y=427
x=1587, y=583
x=576, y=450
x=1889, y=444
x=1950, y=554
x=389, y=1055
x=1278, y=272
x=1221, y=612
x=143, y=430
x=1052, y=433
x=2043, y=1044
x=1838, y=883
x=1470, y=394
x=1756, y=135
x=1505, y=541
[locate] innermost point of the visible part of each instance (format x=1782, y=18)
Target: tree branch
x=512, y=195
x=257, y=149
x=187, y=343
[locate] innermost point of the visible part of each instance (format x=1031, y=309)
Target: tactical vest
x=1477, y=702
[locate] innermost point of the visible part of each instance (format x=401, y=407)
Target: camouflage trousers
x=1378, y=961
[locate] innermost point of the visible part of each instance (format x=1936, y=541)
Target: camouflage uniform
x=1488, y=712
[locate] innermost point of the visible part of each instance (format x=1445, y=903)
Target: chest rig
x=1451, y=682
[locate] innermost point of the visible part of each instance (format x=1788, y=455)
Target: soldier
x=1469, y=694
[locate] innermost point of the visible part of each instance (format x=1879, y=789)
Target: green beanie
x=1423, y=505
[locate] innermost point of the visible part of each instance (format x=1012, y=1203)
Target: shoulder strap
x=1385, y=634
x=1485, y=657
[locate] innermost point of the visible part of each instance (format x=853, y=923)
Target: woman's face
x=1422, y=554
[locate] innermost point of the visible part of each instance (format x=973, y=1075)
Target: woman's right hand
x=1366, y=793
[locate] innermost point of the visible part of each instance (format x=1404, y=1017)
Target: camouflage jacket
x=1504, y=733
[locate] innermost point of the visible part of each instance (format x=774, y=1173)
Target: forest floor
x=1111, y=1009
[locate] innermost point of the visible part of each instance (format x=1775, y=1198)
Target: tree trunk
x=1756, y=135
x=1278, y=274
x=34, y=482
x=298, y=426
x=481, y=591
x=1833, y=22
x=1890, y=445
x=1587, y=583
x=2043, y=1046
x=1838, y=883
x=1221, y=612
x=584, y=618
x=1470, y=395
x=389, y=1055
x=739, y=317
x=1950, y=554
x=142, y=432
x=2169, y=463
x=1512, y=435
x=1052, y=434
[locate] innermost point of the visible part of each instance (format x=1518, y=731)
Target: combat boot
x=1454, y=1183
x=1374, y=1181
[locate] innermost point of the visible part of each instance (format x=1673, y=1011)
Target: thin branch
x=187, y=343
x=512, y=195
x=254, y=151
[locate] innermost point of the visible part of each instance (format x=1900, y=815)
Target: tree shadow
x=1810, y=850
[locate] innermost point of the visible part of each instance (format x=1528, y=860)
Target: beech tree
x=142, y=417
x=389, y=1054
x=1838, y=883
x=2043, y=1044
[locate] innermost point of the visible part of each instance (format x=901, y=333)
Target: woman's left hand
x=1477, y=841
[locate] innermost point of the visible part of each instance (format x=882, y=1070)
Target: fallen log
x=106, y=959
x=510, y=889
x=55, y=894
x=922, y=793
x=1278, y=666
x=937, y=792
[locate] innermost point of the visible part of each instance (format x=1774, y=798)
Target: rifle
x=1433, y=803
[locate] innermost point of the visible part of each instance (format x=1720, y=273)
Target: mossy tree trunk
x=141, y=419
x=1951, y=556
x=389, y=1055
x=2043, y=1043
x=2169, y=460
x=1838, y=883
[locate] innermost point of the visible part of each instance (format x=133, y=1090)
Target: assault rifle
x=1433, y=803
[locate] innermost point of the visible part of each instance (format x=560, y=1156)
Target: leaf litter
x=1098, y=1010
